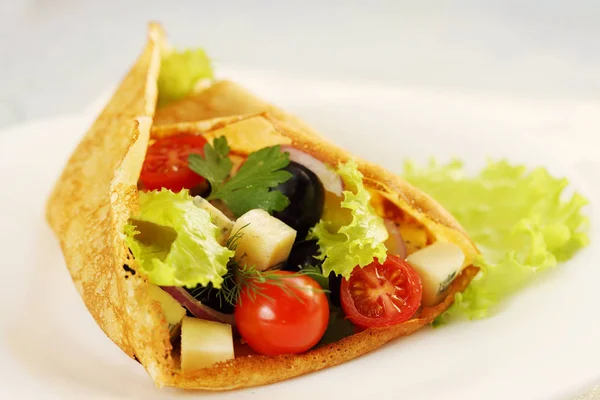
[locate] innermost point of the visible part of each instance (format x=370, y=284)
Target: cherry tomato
x=274, y=320
x=166, y=164
x=381, y=295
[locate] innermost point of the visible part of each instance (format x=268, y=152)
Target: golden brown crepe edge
x=92, y=199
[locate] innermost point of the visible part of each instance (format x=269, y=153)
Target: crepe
x=224, y=99
x=97, y=193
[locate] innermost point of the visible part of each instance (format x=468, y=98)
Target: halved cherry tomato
x=381, y=294
x=166, y=164
x=273, y=320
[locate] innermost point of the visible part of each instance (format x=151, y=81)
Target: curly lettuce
x=175, y=242
x=180, y=72
x=521, y=220
x=357, y=242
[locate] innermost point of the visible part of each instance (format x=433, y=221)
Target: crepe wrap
x=97, y=193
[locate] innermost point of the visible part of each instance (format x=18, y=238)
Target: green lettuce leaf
x=521, y=220
x=180, y=72
x=358, y=242
x=175, y=242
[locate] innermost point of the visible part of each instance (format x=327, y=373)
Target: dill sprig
x=253, y=280
x=232, y=242
x=224, y=294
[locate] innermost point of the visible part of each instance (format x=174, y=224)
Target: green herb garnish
x=250, y=187
x=251, y=279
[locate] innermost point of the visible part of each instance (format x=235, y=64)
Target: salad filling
x=268, y=248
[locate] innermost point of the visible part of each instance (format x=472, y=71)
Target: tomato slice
x=166, y=163
x=381, y=294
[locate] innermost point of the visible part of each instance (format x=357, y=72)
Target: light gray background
x=57, y=56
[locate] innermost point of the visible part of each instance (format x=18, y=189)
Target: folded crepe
x=97, y=193
x=223, y=99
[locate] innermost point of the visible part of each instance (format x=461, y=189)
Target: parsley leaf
x=243, y=200
x=251, y=187
x=215, y=166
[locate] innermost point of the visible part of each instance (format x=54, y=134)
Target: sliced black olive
x=307, y=196
x=202, y=189
x=335, y=281
x=212, y=297
x=303, y=255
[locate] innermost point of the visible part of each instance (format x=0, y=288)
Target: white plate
x=544, y=344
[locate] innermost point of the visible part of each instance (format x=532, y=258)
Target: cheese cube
x=204, y=343
x=265, y=241
x=437, y=265
x=216, y=217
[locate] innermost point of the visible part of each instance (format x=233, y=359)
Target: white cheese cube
x=173, y=311
x=217, y=217
x=204, y=343
x=437, y=265
x=265, y=241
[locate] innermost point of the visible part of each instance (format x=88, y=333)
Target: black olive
x=334, y=288
x=307, y=196
x=202, y=189
x=212, y=297
x=303, y=255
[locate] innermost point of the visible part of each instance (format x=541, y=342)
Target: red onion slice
x=394, y=243
x=329, y=178
x=198, y=309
